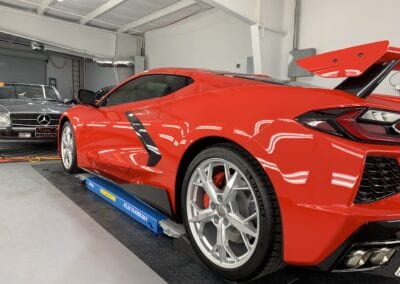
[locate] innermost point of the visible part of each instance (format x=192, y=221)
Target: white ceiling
x=115, y=18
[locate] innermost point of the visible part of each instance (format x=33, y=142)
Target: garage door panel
x=22, y=70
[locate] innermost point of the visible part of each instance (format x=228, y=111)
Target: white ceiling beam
x=69, y=36
x=100, y=10
x=247, y=11
x=43, y=6
x=159, y=14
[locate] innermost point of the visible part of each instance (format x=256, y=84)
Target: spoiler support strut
x=363, y=85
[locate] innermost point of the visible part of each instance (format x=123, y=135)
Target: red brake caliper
x=218, y=180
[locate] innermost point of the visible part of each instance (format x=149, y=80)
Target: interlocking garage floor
x=54, y=231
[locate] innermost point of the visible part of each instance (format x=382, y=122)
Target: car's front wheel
x=231, y=213
x=68, y=149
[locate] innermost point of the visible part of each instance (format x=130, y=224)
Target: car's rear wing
x=364, y=66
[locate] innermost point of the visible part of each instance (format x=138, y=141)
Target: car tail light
x=361, y=124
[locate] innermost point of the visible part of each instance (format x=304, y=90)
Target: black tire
x=267, y=257
x=73, y=168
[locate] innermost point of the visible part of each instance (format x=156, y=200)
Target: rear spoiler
x=365, y=66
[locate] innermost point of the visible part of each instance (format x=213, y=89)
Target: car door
x=118, y=131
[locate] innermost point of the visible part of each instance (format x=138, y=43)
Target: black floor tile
x=27, y=149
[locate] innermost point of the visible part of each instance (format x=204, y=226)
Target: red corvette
x=262, y=172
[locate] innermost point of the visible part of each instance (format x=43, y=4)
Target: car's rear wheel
x=68, y=149
x=231, y=213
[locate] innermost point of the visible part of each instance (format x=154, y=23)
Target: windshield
x=29, y=92
x=33, y=92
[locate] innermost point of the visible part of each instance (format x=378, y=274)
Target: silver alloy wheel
x=67, y=146
x=223, y=219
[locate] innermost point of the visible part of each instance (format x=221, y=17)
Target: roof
x=186, y=71
x=260, y=78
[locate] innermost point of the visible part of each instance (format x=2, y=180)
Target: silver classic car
x=30, y=113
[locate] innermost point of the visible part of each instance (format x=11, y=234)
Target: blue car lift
x=133, y=207
x=128, y=204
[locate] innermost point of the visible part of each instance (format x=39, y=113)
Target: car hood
x=35, y=106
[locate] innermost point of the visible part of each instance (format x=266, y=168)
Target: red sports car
x=262, y=172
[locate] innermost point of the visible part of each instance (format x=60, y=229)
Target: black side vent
x=381, y=178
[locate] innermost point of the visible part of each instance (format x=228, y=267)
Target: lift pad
x=134, y=207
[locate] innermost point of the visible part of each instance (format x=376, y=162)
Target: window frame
x=102, y=102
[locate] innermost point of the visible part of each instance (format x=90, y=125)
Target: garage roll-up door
x=16, y=69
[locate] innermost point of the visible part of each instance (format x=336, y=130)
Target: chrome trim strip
x=379, y=243
x=32, y=119
x=37, y=113
x=17, y=129
x=28, y=128
x=356, y=269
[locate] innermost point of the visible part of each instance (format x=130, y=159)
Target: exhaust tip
x=368, y=258
x=357, y=258
x=381, y=256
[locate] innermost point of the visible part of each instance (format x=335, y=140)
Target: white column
x=256, y=48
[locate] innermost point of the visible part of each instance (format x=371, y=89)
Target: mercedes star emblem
x=44, y=119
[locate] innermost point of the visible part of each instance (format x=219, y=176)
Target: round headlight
x=4, y=119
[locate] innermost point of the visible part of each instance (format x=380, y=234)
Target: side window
x=147, y=87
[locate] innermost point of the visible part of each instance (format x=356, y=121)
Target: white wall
x=218, y=40
x=126, y=47
x=272, y=36
x=61, y=68
x=97, y=77
x=329, y=25
x=212, y=39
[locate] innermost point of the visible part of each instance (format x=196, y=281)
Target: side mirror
x=87, y=97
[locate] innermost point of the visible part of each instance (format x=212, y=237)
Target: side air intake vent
x=381, y=178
